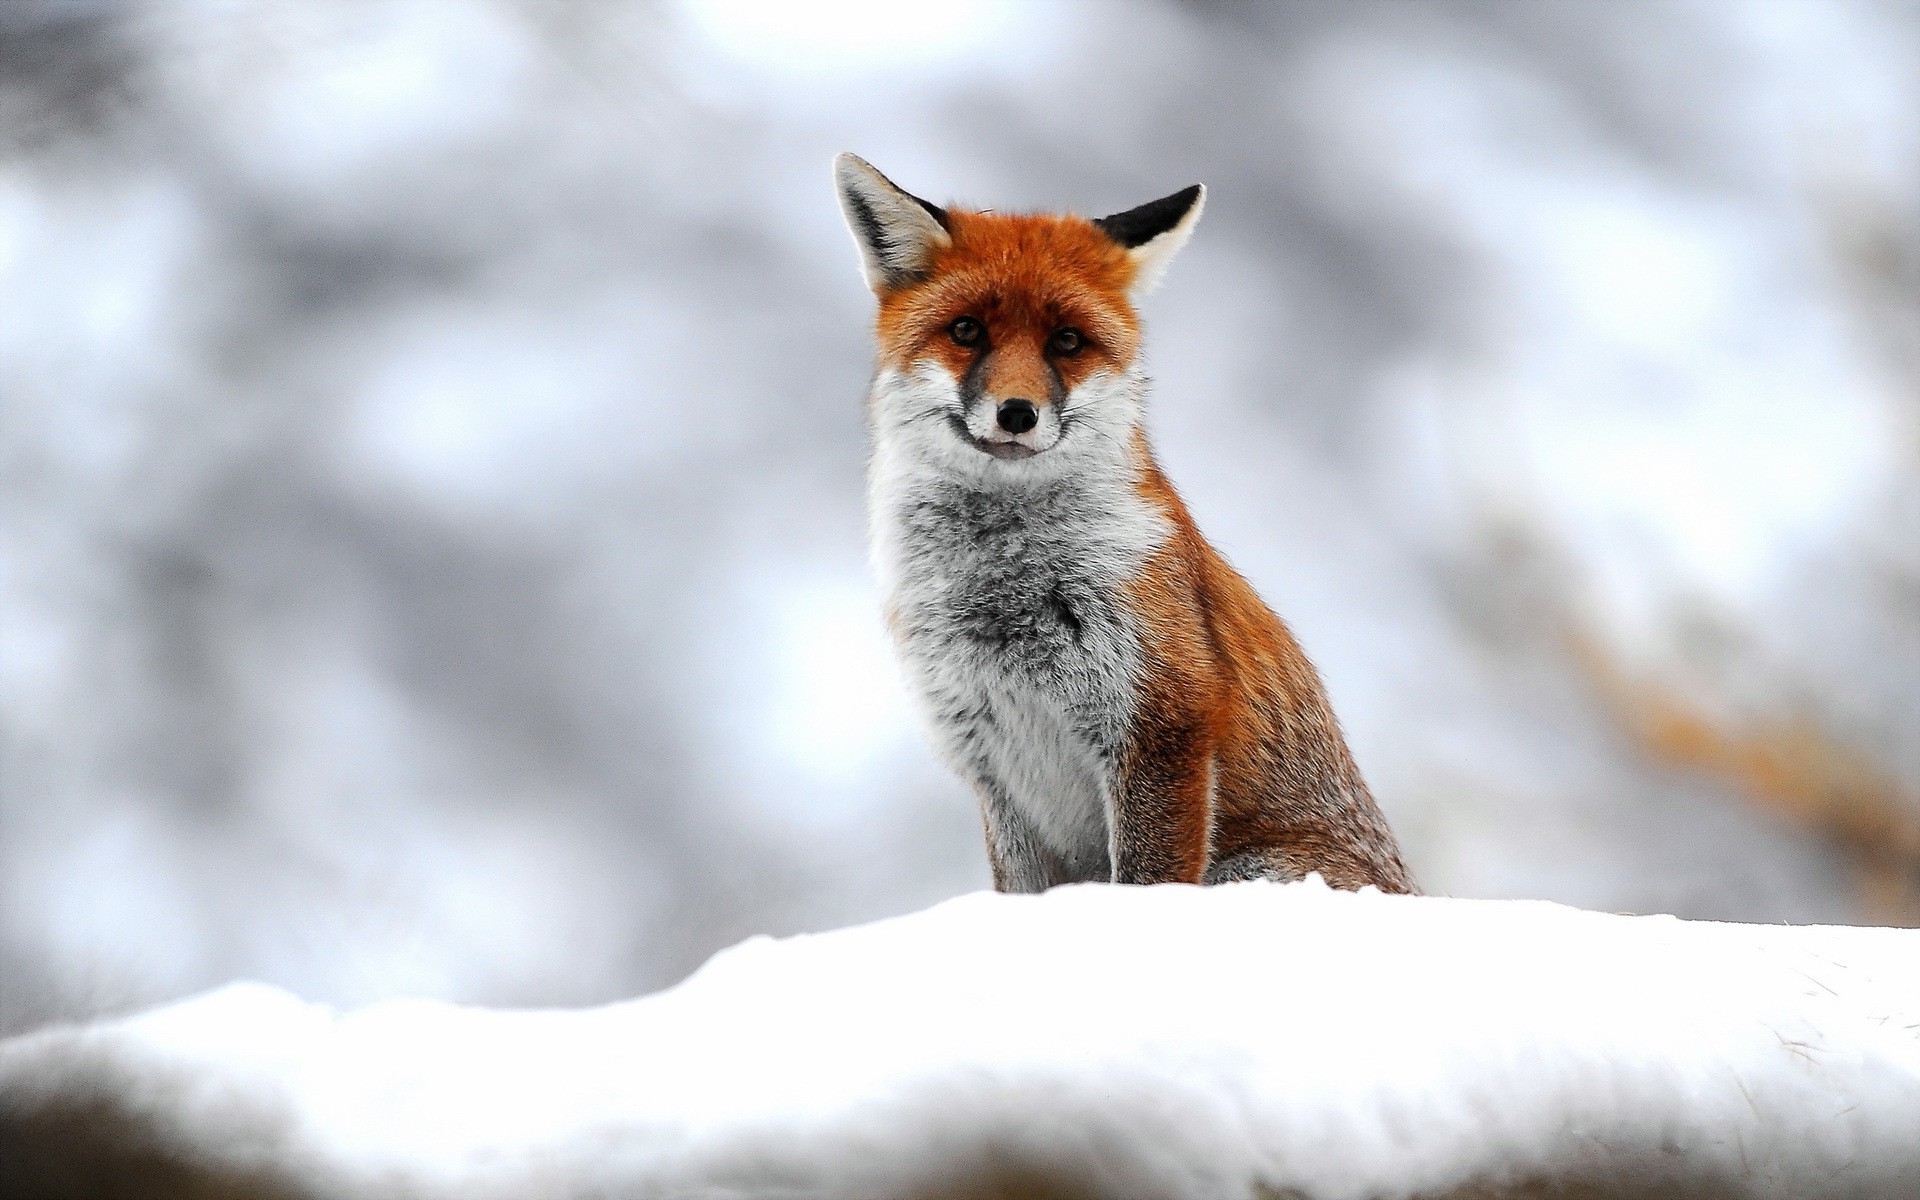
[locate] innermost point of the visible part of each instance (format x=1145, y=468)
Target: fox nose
x=1017, y=415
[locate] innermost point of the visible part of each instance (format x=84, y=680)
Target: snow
x=1171, y=1041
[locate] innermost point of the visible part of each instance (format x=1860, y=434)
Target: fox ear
x=1153, y=233
x=898, y=233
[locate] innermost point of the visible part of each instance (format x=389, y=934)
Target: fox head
x=1006, y=338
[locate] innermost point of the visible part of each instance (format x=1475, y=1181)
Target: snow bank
x=1249, y=1040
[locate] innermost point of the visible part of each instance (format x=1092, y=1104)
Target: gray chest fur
x=1007, y=608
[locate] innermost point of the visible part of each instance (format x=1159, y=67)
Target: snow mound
x=1247, y=1040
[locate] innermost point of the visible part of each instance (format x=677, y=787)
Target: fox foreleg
x=1020, y=859
x=1160, y=810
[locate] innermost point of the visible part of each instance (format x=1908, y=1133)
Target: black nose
x=1017, y=416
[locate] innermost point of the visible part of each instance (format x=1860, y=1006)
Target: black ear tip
x=1138, y=226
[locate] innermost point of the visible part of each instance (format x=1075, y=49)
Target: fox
x=1122, y=702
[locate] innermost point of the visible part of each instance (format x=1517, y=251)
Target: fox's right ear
x=898, y=233
x=1153, y=233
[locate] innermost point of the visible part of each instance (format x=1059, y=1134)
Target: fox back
x=1120, y=699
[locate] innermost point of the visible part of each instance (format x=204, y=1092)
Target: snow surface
x=1234, y=1041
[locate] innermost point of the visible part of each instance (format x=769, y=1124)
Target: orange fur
x=1024, y=277
x=1229, y=686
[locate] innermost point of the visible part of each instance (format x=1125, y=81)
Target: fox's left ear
x=1154, y=233
x=898, y=233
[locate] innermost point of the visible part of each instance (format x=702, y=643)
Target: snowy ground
x=1250, y=1040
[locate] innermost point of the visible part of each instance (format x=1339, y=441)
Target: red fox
x=1126, y=707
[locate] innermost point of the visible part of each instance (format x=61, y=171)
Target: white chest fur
x=1004, y=583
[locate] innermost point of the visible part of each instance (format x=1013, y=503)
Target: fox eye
x=1066, y=342
x=966, y=331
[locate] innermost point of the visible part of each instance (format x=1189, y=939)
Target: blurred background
x=431, y=538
